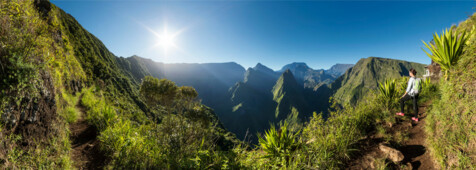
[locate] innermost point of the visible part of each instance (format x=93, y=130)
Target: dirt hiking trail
x=86, y=153
x=414, y=149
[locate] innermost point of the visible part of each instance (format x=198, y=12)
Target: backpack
x=417, y=86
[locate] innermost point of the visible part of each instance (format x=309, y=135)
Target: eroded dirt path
x=85, y=146
x=414, y=150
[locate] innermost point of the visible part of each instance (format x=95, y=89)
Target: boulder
x=409, y=166
x=391, y=153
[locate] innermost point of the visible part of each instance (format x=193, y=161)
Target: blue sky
x=275, y=33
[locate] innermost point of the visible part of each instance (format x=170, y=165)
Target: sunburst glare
x=166, y=39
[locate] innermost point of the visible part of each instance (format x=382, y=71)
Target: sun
x=166, y=39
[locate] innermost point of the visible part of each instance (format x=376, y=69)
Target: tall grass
x=183, y=139
x=69, y=112
x=323, y=144
x=330, y=143
x=99, y=113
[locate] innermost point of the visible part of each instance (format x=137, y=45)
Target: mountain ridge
x=366, y=74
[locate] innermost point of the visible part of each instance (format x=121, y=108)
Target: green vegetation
x=331, y=143
x=451, y=119
x=47, y=60
x=279, y=144
x=322, y=144
x=70, y=113
x=448, y=48
x=35, y=70
x=158, y=92
x=188, y=135
x=388, y=93
x=99, y=113
x=54, y=69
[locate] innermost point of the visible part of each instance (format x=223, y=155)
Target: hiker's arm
x=404, y=94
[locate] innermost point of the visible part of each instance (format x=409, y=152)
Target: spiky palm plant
x=426, y=83
x=388, y=92
x=279, y=143
x=447, y=48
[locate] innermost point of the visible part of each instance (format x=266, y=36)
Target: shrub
x=388, y=93
x=448, y=47
x=330, y=143
x=279, y=144
x=158, y=92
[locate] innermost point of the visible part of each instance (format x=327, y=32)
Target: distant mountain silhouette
x=338, y=69
x=311, y=78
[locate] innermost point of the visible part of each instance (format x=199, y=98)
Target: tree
x=187, y=93
x=158, y=92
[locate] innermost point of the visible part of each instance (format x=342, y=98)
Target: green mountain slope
x=252, y=103
x=366, y=74
x=54, y=73
x=288, y=94
x=264, y=98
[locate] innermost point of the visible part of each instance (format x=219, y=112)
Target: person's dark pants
x=415, y=103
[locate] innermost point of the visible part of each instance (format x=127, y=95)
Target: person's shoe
x=415, y=119
x=400, y=114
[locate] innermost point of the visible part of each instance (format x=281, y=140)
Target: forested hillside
x=55, y=73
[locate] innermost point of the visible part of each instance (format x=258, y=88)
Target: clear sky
x=275, y=33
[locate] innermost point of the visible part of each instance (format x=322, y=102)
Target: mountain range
x=67, y=102
x=245, y=100
x=248, y=101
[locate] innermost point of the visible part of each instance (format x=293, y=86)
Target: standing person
x=412, y=92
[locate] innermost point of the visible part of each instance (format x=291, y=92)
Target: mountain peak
x=287, y=74
x=295, y=66
x=287, y=93
x=365, y=75
x=262, y=68
x=286, y=80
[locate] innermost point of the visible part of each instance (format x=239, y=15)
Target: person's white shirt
x=410, y=91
